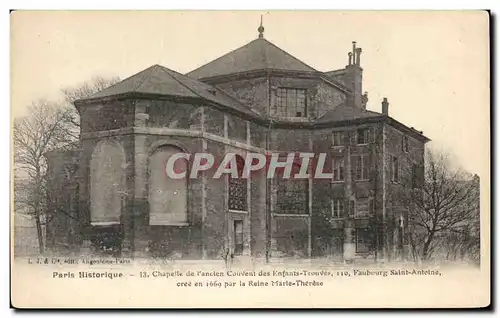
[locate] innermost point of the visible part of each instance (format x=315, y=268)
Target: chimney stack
x=354, y=77
x=358, y=56
x=365, y=100
x=385, y=107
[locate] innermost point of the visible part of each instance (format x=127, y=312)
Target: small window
x=337, y=208
x=338, y=169
x=360, y=167
x=404, y=144
x=395, y=169
x=291, y=102
x=362, y=208
x=338, y=138
x=363, y=135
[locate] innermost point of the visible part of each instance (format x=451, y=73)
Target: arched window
x=167, y=196
x=238, y=188
x=106, y=183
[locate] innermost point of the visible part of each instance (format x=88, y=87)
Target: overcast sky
x=433, y=67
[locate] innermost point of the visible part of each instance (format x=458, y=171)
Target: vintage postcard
x=247, y=159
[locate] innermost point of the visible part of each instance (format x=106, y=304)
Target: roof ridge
x=220, y=57
x=208, y=85
x=264, y=54
x=148, y=75
x=164, y=69
x=290, y=55
x=121, y=82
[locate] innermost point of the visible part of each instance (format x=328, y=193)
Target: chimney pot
x=385, y=107
x=358, y=56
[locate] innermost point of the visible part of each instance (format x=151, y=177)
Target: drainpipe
x=268, y=184
x=349, y=247
x=384, y=190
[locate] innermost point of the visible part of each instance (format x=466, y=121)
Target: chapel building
x=112, y=196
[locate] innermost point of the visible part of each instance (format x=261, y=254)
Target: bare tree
x=87, y=89
x=447, y=202
x=44, y=129
x=47, y=127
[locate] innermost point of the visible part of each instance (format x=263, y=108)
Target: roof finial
x=261, y=29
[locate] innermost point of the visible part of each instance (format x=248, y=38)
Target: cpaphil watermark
x=296, y=165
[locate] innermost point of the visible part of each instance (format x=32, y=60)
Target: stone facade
x=356, y=214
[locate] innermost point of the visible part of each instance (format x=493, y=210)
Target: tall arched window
x=106, y=183
x=238, y=188
x=167, y=196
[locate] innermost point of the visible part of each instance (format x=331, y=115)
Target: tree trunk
x=41, y=247
x=38, y=214
x=427, y=244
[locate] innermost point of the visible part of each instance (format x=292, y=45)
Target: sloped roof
x=335, y=72
x=346, y=112
x=257, y=55
x=159, y=80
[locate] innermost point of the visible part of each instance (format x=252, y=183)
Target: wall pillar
x=204, y=147
x=349, y=243
x=139, y=207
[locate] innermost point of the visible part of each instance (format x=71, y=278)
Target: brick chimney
x=385, y=107
x=364, y=100
x=354, y=77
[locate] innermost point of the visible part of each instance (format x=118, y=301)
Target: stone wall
x=396, y=204
x=260, y=93
x=174, y=115
x=252, y=92
x=106, y=116
x=321, y=97
x=205, y=234
x=164, y=240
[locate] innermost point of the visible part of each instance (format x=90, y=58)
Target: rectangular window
x=338, y=138
x=417, y=176
x=291, y=102
x=351, y=208
x=361, y=166
x=404, y=144
x=362, y=241
x=237, y=194
x=395, y=169
x=362, y=208
x=363, y=135
x=337, y=208
x=292, y=196
x=338, y=169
